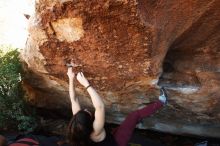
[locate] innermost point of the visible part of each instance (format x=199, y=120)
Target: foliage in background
x=15, y=113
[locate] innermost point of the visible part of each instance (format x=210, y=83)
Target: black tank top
x=108, y=141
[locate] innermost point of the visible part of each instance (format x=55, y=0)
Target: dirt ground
x=147, y=138
x=176, y=140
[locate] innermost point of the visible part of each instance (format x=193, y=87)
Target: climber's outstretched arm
x=74, y=100
x=98, y=124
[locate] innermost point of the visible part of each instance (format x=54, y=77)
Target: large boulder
x=128, y=50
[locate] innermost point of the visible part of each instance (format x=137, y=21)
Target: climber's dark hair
x=80, y=129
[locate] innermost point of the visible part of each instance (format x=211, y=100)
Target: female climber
x=87, y=129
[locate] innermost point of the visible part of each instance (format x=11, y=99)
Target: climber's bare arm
x=74, y=100
x=98, y=124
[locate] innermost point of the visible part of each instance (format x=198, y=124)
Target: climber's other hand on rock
x=82, y=79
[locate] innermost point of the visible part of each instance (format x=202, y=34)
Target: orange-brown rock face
x=128, y=49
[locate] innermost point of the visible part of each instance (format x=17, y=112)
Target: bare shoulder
x=98, y=137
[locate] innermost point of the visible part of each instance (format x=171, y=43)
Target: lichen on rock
x=68, y=29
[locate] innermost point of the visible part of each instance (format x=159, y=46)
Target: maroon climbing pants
x=124, y=132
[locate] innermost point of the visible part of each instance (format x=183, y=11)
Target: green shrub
x=15, y=112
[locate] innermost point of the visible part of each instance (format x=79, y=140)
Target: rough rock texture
x=128, y=49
